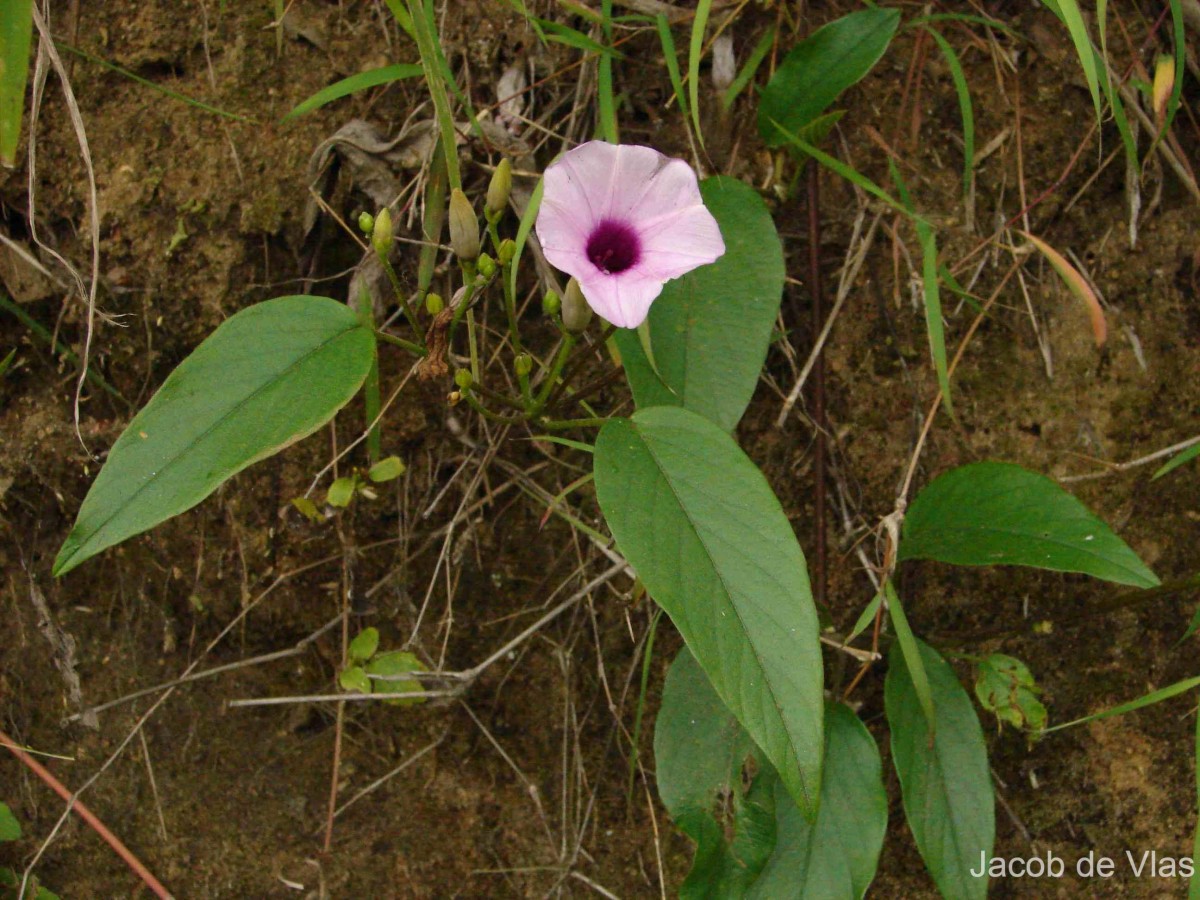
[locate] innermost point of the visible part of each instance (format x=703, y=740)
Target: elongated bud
x=1164, y=84
x=506, y=251
x=498, y=190
x=381, y=235
x=551, y=304
x=486, y=265
x=576, y=314
x=434, y=304
x=366, y=223
x=463, y=379
x=464, y=227
x=523, y=364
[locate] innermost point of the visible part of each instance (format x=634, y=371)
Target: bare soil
x=522, y=786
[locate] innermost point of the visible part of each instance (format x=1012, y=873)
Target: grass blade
x=965, y=109
x=849, y=173
x=695, y=51
x=16, y=32
x=668, y=47
x=749, y=69
x=1077, y=284
x=608, y=107
x=355, y=83
x=1174, y=690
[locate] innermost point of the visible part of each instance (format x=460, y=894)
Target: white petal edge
x=622, y=299
x=674, y=245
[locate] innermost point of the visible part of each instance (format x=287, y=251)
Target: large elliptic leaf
x=710, y=329
x=820, y=67
x=834, y=857
x=715, y=783
x=267, y=377
x=944, y=777
x=991, y=513
x=707, y=536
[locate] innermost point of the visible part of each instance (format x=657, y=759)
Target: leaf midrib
x=736, y=612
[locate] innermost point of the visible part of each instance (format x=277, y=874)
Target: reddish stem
x=88, y=816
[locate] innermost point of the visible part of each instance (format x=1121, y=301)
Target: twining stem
x=371, y=398
x=427, y=47
x=88, y=816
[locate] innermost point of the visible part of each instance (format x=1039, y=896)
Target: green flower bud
x=576, y=314
x=486, y=265
x=434, y=304
x=523, y=364
x=506, y=251
x=463, y=379
x=381, y=235
x=464, y=227
x=366, y=223
x=551, y=304
x=498, y=190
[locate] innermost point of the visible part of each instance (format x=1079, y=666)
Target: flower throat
x=613, y=247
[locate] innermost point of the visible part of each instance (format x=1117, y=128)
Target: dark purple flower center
x=614, y=247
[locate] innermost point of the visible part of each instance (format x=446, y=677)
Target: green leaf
x=1005, y=687
x=355, y=680
x=820, y=67
x=991, y=513
x=16, y=33
x=267, y=377
x=308, y=509
x=836, y=856
x=10, y=828
x=392, y=664
x=710, y=329
x=341, y=491
x=364, y=645
x=355, y=83
x=944, y=777
x=707, y=536
x=387, y=469
x=712, y=781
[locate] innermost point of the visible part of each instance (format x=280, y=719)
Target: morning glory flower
x=624, y=220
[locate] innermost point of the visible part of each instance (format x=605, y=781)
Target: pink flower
x=623, y=220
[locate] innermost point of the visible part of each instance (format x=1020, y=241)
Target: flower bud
x=486, y=265
x=506, y=251
x=463, y=379
x=434, y=304
x=498, y=190
x=366, y=223
x=464, y=227
x=454, y=398
x=576, y=314
x=381, y=235
x=551, y=304
x=523, y=364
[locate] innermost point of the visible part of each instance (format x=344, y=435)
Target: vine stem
x=88, y=816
